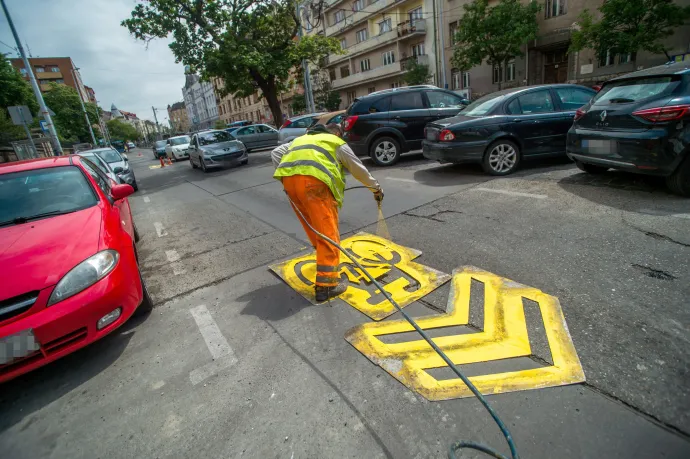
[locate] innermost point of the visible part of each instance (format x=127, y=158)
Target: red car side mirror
x=121, y=191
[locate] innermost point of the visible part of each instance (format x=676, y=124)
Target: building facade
x=91, y=94
x=201, y=102
x=60, y=70
x=179, y=119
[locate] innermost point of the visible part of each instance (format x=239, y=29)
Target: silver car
x=214, y=148
x=255, y=136
x=102, y=165
x=297, y=126
x=119, y=163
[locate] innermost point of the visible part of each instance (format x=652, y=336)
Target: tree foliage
x=628, y=26
x=325, y=98
x=416, y=73
x=14, y=90
x=250, y=44
x=69, y=118
x=119, y=130
x=494, y=34
x=299, y=104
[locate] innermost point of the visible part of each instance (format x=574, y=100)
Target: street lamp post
x=83, y=107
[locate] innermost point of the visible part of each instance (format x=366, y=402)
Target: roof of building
x=176, y=106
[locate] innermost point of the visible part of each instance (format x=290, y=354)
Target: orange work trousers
x=316, y=202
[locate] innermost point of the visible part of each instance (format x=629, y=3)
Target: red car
x=68, y=264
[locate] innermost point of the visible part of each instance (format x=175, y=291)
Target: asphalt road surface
x=234, y=363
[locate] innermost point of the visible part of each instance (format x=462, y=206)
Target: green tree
x=220, y=124
x=249, y=44
x=325, y=98
x=299, y=104
x=416, y=73
x=629, y=26
x=69, y=117
x=495, y=35
x=14, y=90
x=119, y=130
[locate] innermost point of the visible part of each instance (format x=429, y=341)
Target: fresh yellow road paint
x=391, y=264
x=504, y=336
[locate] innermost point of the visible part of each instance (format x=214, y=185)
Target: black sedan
x=640, y=123
x=501, y=129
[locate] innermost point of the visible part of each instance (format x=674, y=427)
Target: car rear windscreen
x=30, y=193
x=634, y=90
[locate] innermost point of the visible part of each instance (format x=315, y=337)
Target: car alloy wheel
x=385, y=151
x=501, y=158
x=201, y=162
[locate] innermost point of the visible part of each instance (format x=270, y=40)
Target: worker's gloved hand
x=378, y=195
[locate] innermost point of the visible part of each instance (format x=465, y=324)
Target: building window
x=453, y=30
x=344, y=71
x=497, y=74
x=465, y=80
x=351, y=95
x=40, y=69
x=397, y=84
x=625, y=58
x=510, y=70
x=388, y=58
x=339, y=16
x=343, y=43
x=385, y=26
x=372, y=89
x=362, y=35
x=331, y=74
x=415, y=14
x=358, y=5
x=455, y=77
x=418, y=49
x=364, y=65
x=58, y=81
x=555, y=8
x=54, y=69
x=606, y=59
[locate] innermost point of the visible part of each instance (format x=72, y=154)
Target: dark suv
x=639, y=122
x=385, y=124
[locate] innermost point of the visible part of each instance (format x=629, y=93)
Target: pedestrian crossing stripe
x=389, y=263
x=504, y=336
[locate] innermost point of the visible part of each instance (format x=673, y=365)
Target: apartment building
x=178, y=117
x=91, y=94
x=60, y=70
x=201, y=102
x=379, y=39
x=546, y=59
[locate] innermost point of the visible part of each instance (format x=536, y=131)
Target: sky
x=120, y=69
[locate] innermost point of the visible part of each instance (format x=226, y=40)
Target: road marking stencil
x=160, y=229
x=504, y=336
x=391, y=264
x=147, y=199
x=222, y=353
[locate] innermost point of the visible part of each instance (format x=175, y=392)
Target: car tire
x=203, y=166
x=501, y=158
x=194, y=166
x=591, y=168
x=385, y=151
x=135, y=186
x=137, y=238
x=244, y=163
x=146, y=303
x=679, y=181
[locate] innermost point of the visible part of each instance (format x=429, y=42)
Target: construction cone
x=169, y=162
x=140, y=154
x=161, y=160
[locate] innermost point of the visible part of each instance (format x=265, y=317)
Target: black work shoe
x=324, y=293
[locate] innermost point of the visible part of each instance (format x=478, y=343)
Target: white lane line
x=663, y=213
x=172, y=255
x=178, y=269
x=147, y=199
x=222, y=353
x=512, y=193
x=174, y=258
x=401, y=179
x=160, y=229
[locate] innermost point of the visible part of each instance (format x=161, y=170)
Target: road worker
x=311, y=170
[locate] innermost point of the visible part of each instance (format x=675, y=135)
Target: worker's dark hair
x=334, y=129
x=317, y=129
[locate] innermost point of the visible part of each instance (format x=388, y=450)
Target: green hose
x=462, y=444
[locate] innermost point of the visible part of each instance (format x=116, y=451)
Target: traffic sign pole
x=34, y=84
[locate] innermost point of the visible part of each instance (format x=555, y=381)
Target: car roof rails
x=404, y=88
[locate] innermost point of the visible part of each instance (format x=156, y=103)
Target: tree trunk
x=270, y=92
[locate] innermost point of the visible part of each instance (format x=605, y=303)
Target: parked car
x=81, y=147
x=386, y=124
x=131, y=145
x=159, y=148
x=118, y=163
x=101, y=165
x=119, y=145
x=296, y=126
x=215, y=148
x=639, y=123
x=255, y=136
x=69, y=268
x=237, y=124
x=501, y=129
x=177, y=147
x=331, y=118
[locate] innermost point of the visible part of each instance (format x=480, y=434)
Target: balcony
x=412, y=28
x=422, y=59
x=363, y=46
x=358, y=16
x=369, y=75
x=48, y=75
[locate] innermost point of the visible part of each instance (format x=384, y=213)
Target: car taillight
x=446, y=135
x=349, y=122
x=661, y=114
x=286, y=124
x=579, y=114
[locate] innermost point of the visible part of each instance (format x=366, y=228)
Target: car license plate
x=17, y=346
x=431, y=134
x=600, y=146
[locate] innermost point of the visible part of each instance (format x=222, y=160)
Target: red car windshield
x=38, y=193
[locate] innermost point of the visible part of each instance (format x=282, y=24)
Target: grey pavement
x=283, y=382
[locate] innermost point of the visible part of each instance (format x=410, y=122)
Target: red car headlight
x=84, y=275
